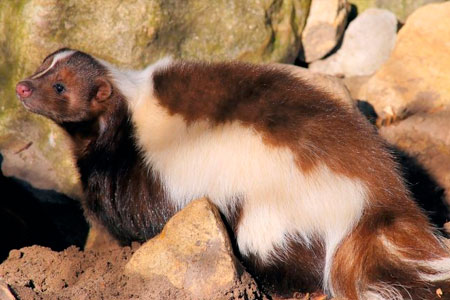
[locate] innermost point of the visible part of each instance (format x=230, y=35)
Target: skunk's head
x=69, y=86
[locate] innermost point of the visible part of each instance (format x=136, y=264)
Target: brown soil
x=40, y=273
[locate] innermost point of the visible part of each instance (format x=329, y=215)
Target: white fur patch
x=136, y=86
x=58, y=57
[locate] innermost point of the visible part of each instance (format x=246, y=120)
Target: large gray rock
x=324, y=27
x=130, y=34
x=367, y=44
x=193, y=252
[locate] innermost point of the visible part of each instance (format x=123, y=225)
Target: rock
x=193, y=252
x=367, y=44
x=357, y=86
x=324, y=27
x=34, y=150
x=130, y=34
x=331, y=84
x=416, y=77
x=5, y=293
x=401, y=8
x=422, y=136
x=98, y=237
x=447, y=230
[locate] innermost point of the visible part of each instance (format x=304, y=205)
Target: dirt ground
x=37, y=272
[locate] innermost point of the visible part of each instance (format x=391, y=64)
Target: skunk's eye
x=59, y=88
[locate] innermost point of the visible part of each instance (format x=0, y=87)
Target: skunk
x=313, y=196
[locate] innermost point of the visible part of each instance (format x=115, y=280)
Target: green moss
x=11, y=33
x=287, y=20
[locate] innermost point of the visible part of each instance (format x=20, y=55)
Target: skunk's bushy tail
x=393, y=254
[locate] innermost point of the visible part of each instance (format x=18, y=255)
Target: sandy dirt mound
x=40, y=273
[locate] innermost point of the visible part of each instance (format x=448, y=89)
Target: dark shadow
x=352, y=14
x=425, y=190
x=299, y=61
x=367, y=110
x=30, y=216
x=429, y=195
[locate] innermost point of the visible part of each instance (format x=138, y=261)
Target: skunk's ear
x=104, y=89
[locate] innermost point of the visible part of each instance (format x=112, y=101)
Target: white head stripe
x=56, y=58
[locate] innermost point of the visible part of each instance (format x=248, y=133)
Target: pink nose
x=23, y=90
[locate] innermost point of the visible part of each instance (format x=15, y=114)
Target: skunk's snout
x=23, y=89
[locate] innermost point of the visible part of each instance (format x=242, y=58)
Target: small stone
x=447, y=227
x=193, y=252
x=99, y=238
x=15, y=254
x=439, y=293
x=324, y=27
x=367, y=44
